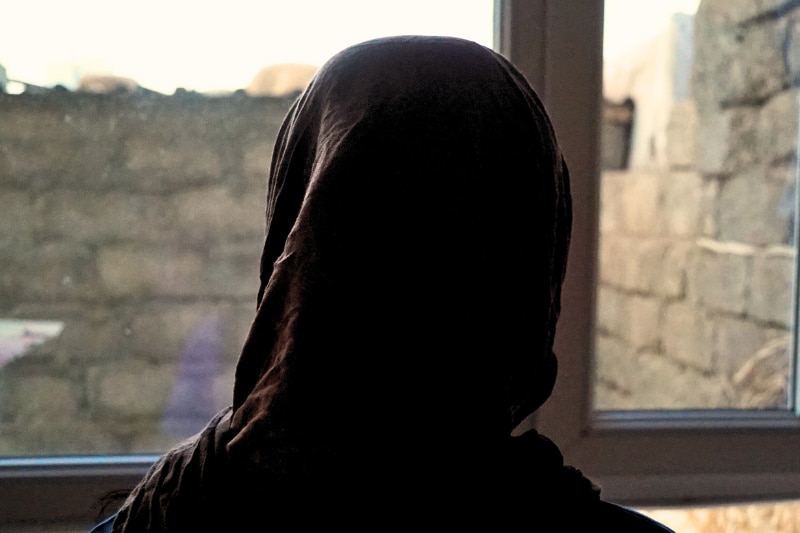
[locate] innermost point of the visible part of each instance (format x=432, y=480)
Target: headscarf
x=417, y=226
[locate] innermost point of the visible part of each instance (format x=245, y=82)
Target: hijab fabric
x=417, y=226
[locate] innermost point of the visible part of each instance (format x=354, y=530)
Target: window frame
x=638, y=458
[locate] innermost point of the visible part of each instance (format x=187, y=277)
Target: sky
x=631, y=23
x=209, y=46
x=219, y=46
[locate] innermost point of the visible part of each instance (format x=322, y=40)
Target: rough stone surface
x=137, y=222
x=643, y=265
x=726, y=140
x=772, y=287
x=132, y=389
x=736, y=341
x=735, y=60
x=634, y=319
x=708, y=239
x=648, y=381
x=749, y=209
x=681, y=205
x=687, y=335
x=777, y=128
x=633, y=201
x=718, y=276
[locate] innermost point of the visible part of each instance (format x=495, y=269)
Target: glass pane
x=133, y=168
x=695, y=304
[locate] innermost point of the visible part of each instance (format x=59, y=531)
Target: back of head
x=417, y=227
x=418, y=219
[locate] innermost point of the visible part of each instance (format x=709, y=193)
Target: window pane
x=697, y=226
x=131, y=213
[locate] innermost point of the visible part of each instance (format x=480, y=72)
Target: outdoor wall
x=137, y=222
x=697, y=252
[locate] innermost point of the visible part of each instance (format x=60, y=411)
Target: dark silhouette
x=418, y=221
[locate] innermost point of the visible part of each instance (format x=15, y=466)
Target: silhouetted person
x=418, y=220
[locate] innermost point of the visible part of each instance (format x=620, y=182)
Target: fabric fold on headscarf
x=417, y=228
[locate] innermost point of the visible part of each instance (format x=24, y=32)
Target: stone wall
x=695, y=306
x=137, y=222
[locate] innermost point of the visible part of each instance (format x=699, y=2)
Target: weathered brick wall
x=137, y=221
x=696, y=255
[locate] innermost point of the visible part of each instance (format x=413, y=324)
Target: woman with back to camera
x=418, y=221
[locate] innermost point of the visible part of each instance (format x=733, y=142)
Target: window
x=673, y=454
x=132, y=178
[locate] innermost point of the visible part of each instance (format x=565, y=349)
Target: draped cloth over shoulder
x=418, y=220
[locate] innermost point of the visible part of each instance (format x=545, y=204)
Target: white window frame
x=638, y=458
x=642, y=458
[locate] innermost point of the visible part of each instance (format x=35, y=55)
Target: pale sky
x=218, y=46
x=632, y=23
x=201, y=45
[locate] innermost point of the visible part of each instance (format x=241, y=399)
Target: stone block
x=612, y=362
x=256, y=160
x=709, y=209
x=98, y=217
x=629, y=202
x=735, y=11
x=682, y=136
x=211, y=214
x=643, y=265
x=682, y=204
x=772, y=289
x=670, y=276
x=91, y=335
x=227, y=270
x=81, y=148
x=610, y=311
x=777, y=127
x=27, y=398
x=42, y=414
x=749, y=209
x=232, y=269
x=650, y=381
x=611, y=207
x=737, y=61
x=614, y=253
x=736, y=341
x=718, y=275
x=55, y=271
x=133, y=271
x=687, y=336
x=132, y=389
x=16, y=221
x=644, y=323
x=168, y=162
x=727, y=140
x=663, y=384
x=633, y=318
